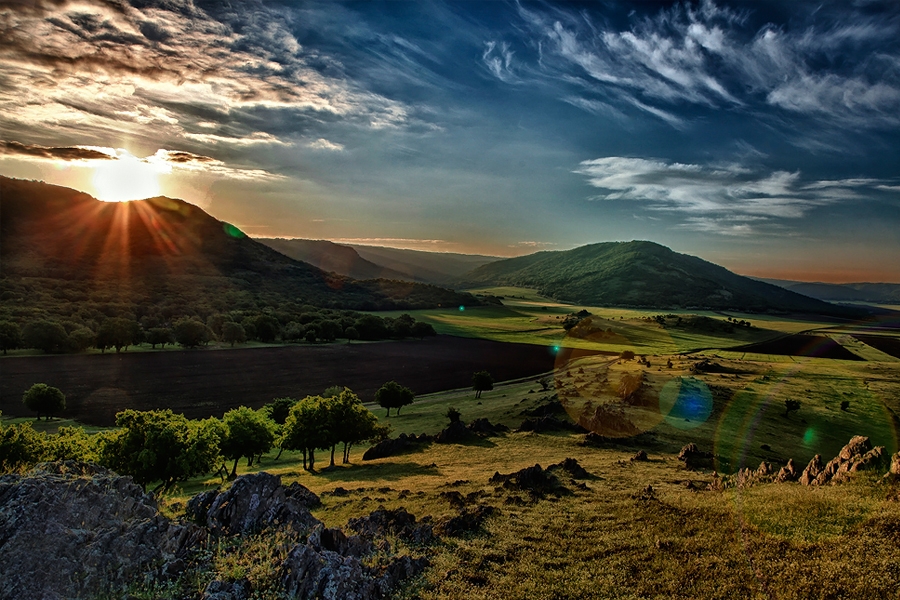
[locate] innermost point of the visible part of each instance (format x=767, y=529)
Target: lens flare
x=126, y=178
x=685, y=403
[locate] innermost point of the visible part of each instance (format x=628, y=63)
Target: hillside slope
x=441, y=268
x=642, y=274
x=335, y=258
x=881, y=293
x=160, y=249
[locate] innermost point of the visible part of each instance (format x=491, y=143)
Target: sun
x=124, y=178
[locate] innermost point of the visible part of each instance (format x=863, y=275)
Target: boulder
x=399, y=445
x=455, y=432
x=788, y=472
x=858, y=455
x=73, y=530
x=256, y=502
x=534, y=480
x=571, y=466
x=694, y=458
x=469, y=519
x=812, y=470
x=227, y=590
x=485, y=428
x=640, y=456
x=381, y=523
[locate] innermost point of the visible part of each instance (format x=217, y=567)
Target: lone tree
x=482, y=381
x=44, y=400
x=393, y=395
x=349, y=422
x=791, y=406
x=247, y=433
x=306, y=429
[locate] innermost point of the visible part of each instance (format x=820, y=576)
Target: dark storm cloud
x=64, y=154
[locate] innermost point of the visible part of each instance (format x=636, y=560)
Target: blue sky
x=764, y=136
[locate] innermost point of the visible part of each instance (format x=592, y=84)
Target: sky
x=763, y=136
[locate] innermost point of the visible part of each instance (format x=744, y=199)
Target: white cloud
x=727, y=199
x=707, y=57
x=323, y=144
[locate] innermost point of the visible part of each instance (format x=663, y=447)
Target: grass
x=609, y=541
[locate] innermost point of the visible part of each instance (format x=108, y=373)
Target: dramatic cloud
x=711, y=56
x=169, y=71
x=726, y=199
x=77, y=153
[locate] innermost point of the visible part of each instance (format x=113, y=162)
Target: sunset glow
x=126, y=178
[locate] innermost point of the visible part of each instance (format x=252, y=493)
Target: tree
x=329, y=330
x=118, y=333
x=482, y=381
x=233, y=333
x=44, y=400
x=81, y=339
x=349, y=422
x=71, y=443
x=10, y=336
x=306, y=429
x=159, y=445
x=277, y=410
x=422, y=330
x=310, y=336
x=791, y=406
x=393, y=395
x=191, y=333
x=161, y=336
x=247, y=433
x=48, y=336
x=267, y=328
x=351, y=334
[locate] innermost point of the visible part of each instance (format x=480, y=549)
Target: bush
x=21, y=447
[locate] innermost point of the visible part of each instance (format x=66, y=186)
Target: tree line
x=307, y=324
x=161, y=447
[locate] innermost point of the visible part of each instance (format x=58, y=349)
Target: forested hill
x=643, y=274
x=162, y=250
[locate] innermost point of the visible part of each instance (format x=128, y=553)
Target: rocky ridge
x=73, y=529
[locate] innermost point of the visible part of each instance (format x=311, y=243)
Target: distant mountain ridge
x=332, y=257
x=643, y=274
x=369, y=262
x=150, y=246
x=878, y=293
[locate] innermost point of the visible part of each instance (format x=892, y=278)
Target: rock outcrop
x=858, y=455
x=72, y=529
x=253, y=503
x=694, y=458
x=399, y=445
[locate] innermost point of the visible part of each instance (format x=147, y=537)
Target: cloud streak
x=74, y=153
x=847, y=74
x=725, y=199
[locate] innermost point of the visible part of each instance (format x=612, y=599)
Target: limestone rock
x=72, y=529
x=694, y=458
x=812, y=471
x=399, y=522
x=258, y=501
x=788, y=472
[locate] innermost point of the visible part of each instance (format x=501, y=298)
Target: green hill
x=642, y=274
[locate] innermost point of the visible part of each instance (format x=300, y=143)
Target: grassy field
x=609, y=536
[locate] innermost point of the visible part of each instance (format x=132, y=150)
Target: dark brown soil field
x=817, y=346
x=888, y=345
x=202, y=383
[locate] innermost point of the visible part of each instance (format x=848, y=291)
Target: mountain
x=332, y=257
x=642, y=274
x=878, y=293
x=432, y=267
x=60, y=244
